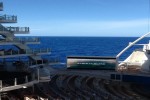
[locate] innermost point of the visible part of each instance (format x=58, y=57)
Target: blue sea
x=61, y=47
x=87, y=46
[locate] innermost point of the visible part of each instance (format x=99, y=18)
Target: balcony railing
x=41, y=62
x=27, y=39
x=20, y=82
x=3, y=29
x=25, y=64
x=18, y=29
x=28, y=51
x=8, y=19
x=36, y=51
x=1, y=6
x=23, y=81
x=21, y=40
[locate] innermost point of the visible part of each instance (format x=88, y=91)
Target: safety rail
x=8, y=19
x=27, y=64
x=1, y=6
x=28, y=51
x=16, y=83
x=18, y=29
x=41, y=62
x=3, y=29
x=30, y=64
x=14, y=29
x=36, y=51
x=27, y=39
x=21, y=40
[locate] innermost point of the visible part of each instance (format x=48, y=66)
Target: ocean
x=87, y=46
x=61, y=47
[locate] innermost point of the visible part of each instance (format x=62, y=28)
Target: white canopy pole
x=131, y=44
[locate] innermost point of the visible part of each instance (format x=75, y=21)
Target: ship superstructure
x=139, y=60
x=20, y=66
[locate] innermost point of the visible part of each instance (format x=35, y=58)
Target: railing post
x=33, y=77
x=15, y=83
x=26, y=51
x=11, y=53
x=40, y=51
x=1, y=85
x=26, y=79
x=38, y=74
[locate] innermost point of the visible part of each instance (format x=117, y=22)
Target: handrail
x=131, y=44
x=38, y=62
x=18, y=29
x=8, y=17
x=21, y=40
x=27, y=51
x=27, y=64
x=35, y=51
x=27, y=39
x=14, y=81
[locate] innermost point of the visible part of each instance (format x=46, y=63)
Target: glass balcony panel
x=18, y=29
x=29, y=39
x=8, y=18
x=28, y=51
x=1, y=6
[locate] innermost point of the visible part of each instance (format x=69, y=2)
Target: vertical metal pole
x=0, y=88
x=15, y=83
x=33, y=88
x=1, y=85
x=26, y=79
x=11, y=53
x=36, y=62
x=38, y=75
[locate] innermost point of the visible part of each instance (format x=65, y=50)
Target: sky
x=80, y=17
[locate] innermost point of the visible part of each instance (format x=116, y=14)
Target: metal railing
x=21, y=40
x=3, y=29
x=17, y=81
x=40, y=62
x=36, y=51
x=27, y=39
x=23, y=65
x=8, y=18
x=28, y=51
x=18, y=29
